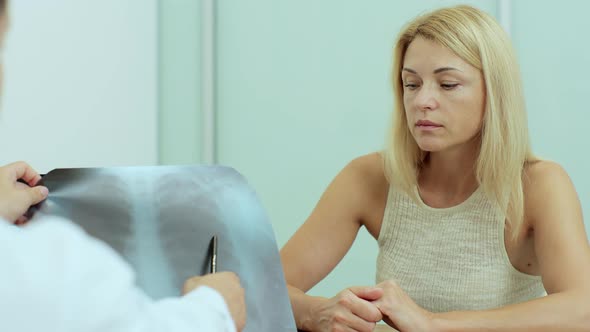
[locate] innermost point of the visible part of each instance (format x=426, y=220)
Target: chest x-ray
x=161, y=220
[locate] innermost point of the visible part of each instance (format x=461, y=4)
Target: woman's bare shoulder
x=541, y=173
x=544, y=183
x=369, y=170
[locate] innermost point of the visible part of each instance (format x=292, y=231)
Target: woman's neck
x=451, y=171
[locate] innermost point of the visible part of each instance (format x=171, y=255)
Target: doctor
x=54, y=277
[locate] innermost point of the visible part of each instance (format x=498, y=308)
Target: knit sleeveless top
x=453, y=258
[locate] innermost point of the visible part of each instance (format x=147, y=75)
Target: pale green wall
x=179, y=81
x=303, y=87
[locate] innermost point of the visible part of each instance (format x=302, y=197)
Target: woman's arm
x=553, y=210
x=561, y=245
x=323, y=240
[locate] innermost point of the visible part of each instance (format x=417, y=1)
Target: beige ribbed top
x=452, y=258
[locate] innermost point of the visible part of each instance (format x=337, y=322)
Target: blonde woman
x=475, y=233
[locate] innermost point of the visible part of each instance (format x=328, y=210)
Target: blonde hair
x=478, y=39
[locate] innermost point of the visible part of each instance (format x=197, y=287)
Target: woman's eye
x=411, y=86
x=449, y=86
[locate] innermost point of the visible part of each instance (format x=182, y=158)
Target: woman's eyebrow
x=440, y=70
x=436, y=71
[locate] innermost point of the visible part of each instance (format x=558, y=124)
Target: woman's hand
x=400, y=311
x=16, y=197
x=349, y=311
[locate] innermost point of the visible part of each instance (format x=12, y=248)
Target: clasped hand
x=359, y=309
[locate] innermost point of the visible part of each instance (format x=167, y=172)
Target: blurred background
x=286, y=92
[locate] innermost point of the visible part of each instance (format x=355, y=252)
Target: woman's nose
x=426, y=99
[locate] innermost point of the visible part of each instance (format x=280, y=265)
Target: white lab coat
x=54, y=277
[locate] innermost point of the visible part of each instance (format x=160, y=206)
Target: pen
x=213, y=254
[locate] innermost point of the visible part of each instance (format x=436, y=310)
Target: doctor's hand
x=16, y=197
x=228, y=285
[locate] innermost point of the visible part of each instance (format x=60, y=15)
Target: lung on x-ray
x=161, y=220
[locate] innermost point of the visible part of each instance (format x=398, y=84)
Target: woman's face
x=444, y=96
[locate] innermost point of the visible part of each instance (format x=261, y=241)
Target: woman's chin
x=430, y=146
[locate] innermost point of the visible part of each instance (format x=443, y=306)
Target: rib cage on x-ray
x=161, y=219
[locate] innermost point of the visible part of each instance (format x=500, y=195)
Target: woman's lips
x=427, y=125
